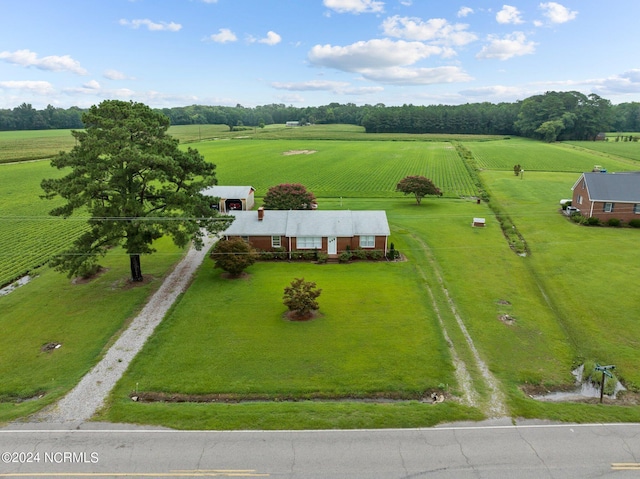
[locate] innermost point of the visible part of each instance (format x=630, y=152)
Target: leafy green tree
x=550, y=130
x=135, y=183
x=300, y=297
x=419, y=186
x=288, y=196
x=233, y=255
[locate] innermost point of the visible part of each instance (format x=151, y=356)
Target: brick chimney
x=260, y=213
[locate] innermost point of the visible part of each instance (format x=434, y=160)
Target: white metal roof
x=299, y=223
x=227, y=192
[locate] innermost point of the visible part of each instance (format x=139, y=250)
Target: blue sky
x=312, y=52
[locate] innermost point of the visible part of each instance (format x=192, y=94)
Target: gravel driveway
x=82, y=402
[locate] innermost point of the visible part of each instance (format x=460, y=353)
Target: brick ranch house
x=608, y=195
x=330, y=231
x=231, y=198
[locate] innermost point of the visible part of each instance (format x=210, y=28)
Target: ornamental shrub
x=635, y=223
x=615, y=222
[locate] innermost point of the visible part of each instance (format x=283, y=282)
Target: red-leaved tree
x=289, y=196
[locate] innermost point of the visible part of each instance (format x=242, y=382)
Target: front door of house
x=332, y=245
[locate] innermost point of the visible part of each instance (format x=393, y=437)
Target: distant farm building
x=231, y=198
x=292, y=124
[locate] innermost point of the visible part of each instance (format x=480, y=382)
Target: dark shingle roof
x=614, y=187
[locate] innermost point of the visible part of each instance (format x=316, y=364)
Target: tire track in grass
x=497, y=406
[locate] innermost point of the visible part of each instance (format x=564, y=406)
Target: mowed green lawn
x=83, y=318
x=376, y=334
x=588, y=273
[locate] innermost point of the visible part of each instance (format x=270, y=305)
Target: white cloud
x=509, y=14
x=387, y=61
x=417, y=76
x=27, y=58
x=509, y=46
x=627, y=82
x=37, y=87
x=224, y=35
x=437, y=30
x=464, y=11
x=557, y=13
x=92, y=85
x=336, y=87
x=371, y=54
x=115, y=75
x=354, y=6
x=312, y=85
x=151, y=26
x=496, y=92
x=272, y=38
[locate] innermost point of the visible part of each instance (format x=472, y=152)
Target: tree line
x=549, y=117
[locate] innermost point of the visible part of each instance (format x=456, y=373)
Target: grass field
x=42, y=144
x=572, y=298
x=537, y=156
x=619, y=149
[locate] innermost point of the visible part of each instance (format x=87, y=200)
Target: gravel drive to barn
x=82, y=402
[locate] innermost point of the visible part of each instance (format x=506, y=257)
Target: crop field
x=338, y=168
x=537, y=156
x=29, y=236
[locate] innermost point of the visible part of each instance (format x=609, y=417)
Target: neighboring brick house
x=608, y=195
x=231, y=198
x=330, y=231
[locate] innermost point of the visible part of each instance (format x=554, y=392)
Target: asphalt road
x=491, y=450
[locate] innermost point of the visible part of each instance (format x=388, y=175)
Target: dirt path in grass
x=497, y=406
x=82, y=402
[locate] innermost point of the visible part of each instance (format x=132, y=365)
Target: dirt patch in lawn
x=299, y=152
x=507, y=319
x=435, y=397
x=88, y=279
x=292, y=316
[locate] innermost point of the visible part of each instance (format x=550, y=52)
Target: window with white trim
x=608, y=207
x=367, y=241
x=309, y=242
x=276, y=242
x=579, y=199
x=636, y=208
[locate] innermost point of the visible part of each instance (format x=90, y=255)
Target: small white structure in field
x=478, y=222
